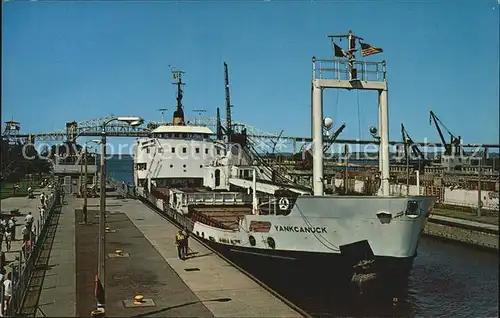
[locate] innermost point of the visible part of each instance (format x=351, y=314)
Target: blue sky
x=67, y=60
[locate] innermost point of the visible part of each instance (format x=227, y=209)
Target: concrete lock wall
x=458, y=197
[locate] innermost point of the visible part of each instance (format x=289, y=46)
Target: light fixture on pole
x=101, y=273
x=162, y=110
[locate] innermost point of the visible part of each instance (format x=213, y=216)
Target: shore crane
x=410, y=144
x=450, y=148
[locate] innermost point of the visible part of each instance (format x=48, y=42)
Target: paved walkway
x=224, y=290
x=58, y=294
x=24, y=205
x=145, y=272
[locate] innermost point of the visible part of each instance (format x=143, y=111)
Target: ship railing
x=180, y=219
x=205, y=219
x=269, y=205
x=217, y=198
x=122, y=188
x=339, y=69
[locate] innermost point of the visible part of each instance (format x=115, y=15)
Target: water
x=447, y=280
x=121, y=169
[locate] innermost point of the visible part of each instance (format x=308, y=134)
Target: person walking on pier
x=42, y=215
x=42, y=198
x=180, y=242
x=7, y=291
x=8, y=240
x=11, y=228
x=29, y=220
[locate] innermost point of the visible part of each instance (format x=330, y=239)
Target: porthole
x=184, y=166
x=201, y=166
x=171, y=166
x=271, y=243
x=252, y=241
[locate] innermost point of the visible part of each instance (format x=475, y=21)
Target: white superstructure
x=175, y=156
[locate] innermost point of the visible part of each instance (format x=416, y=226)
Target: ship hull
x=386, y=277
x=360, y=243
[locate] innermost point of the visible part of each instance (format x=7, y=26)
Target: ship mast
x=331, y=73
x=178, y=118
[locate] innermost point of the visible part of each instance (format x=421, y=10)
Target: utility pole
x=479, y=201
x=81, y=173
x=101, y=274
x=346, y=178
x=407, y=170
x=85, y=218
x=200, y=112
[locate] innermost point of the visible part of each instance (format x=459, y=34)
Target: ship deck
x=227, y=216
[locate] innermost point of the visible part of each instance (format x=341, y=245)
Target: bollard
x=138, y=299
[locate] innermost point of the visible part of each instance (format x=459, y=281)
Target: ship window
x=184, y=150
x=206, y=151
x=218, y=151
x=201, y=166
x=173, y=149
x=197, y=150
x=183, y=135
x=147, y=150
x=184, y=166
x=171, y=166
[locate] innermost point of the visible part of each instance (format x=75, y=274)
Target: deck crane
x=409, y=143
x=333, y=137
x=306, y=163
x=454, y=141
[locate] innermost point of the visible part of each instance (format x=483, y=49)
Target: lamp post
x=85, y=178
x=132, y=121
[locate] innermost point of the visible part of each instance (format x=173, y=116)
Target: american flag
x=367, y=49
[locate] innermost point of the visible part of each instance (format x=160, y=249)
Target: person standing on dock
x=42, y=215
x=180, y=242
x=42, y=198
x=62, y=195
x=185, y=244
x=3, y=229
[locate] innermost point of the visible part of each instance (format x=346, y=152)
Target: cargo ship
x=221, y=191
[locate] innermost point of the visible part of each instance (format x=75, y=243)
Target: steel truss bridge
x=264, y=140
